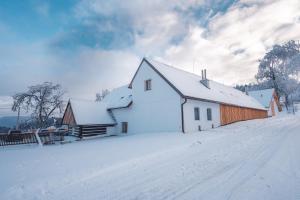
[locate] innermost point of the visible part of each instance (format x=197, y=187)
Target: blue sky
x=90, y=45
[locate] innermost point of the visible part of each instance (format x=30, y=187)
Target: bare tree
x=42, y=100
x=100, y=96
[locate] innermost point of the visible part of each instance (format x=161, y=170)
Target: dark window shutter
x=209, y=114
x=196, y=113
x=124, y=127
x=147, y=85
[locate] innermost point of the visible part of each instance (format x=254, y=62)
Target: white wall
x=123, y=115
x=191, y=125
x=156, y=110
x=111, y=130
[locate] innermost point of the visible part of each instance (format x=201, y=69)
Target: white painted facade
x=155, y=110
x=159, y=109
x=192, y=125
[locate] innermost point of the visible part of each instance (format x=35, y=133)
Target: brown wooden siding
x=230, y=114
x=273, y=108
x=277, y=101
x=69, y=118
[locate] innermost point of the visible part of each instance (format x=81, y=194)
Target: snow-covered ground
x=258, y=159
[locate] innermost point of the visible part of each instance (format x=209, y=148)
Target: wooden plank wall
x=69, y=116
x=273, y=108
x=90, y=130
x=277, y=101
x=230, y=114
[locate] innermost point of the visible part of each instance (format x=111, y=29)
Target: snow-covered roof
x=118, y=98
x=90, y=112
x=189, y=85
x=263, y=96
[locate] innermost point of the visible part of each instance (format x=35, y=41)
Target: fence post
x=38, y=137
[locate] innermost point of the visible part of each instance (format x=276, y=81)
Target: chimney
x=204, y=80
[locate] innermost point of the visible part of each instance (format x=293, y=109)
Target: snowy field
x=258, y=159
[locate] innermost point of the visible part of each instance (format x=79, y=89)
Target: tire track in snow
x=174, y=173
x=222, y=170
x=148, y=180
x=261, y=156
x=261, y=160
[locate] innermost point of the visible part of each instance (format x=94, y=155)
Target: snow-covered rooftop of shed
x=118, y=98
x=189, y=85
x=90, y=112
x=263, y=96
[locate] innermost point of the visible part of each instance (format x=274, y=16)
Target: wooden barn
x=87, y=118
x=269, y=99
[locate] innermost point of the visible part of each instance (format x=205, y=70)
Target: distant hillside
x=10, y=121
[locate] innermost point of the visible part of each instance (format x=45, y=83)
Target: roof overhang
x=127, y=106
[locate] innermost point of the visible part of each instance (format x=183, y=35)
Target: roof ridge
x=171, y=66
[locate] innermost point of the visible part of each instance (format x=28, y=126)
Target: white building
x=161, y=98
x=269, y=99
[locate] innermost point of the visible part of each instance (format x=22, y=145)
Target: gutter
x=182, y=116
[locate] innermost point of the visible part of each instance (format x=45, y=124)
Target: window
x=124, y=127
x=196, y=113
x=209, y=116
x=147, y=85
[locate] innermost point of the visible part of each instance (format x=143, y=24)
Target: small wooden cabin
x=87, y=118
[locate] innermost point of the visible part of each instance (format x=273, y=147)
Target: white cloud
x=82, y=73
x=154, y=24
x=229, y=47
x=93, y=70
x=234, y=42
x=5, y=105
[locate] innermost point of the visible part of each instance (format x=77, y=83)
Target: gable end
x=69, y=112
x=162, y=76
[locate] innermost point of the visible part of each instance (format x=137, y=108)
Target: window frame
x=196, y=113
x=124, y=127
x=209, y=114
x=148, y=85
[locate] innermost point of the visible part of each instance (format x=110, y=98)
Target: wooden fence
x=19, y=138
x=30, y=138
x=51, y=137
